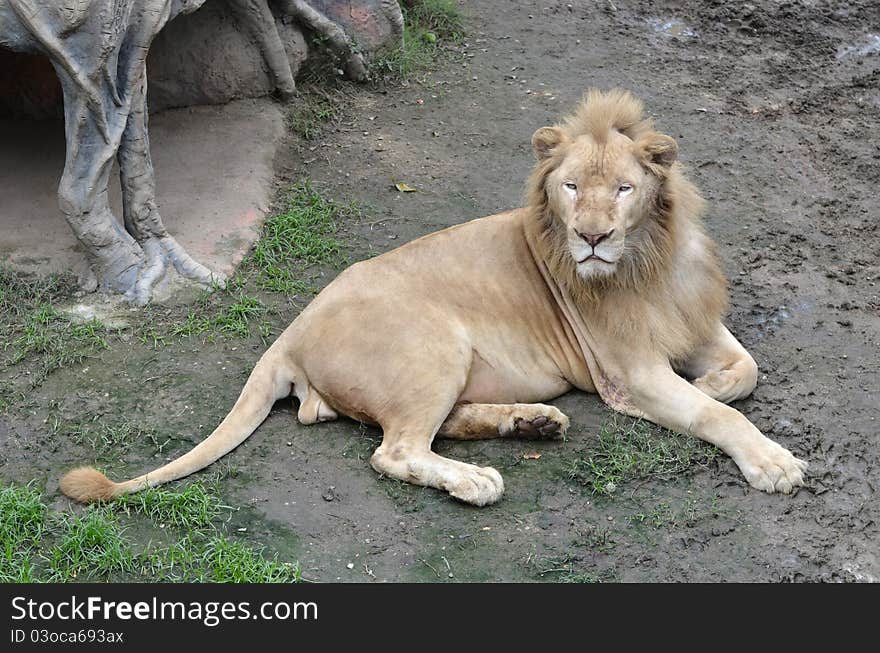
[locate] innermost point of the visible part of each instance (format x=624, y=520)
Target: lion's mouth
x=594, y=257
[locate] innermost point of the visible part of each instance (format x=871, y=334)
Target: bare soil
x=775, y=107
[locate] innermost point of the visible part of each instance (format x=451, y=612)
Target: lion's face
x=599, y=192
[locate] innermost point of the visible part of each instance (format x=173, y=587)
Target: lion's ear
x=545, y=140
x=657, y=150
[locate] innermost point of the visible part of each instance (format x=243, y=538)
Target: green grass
x=36, y=332
x=180, y=538
x=628, y=450
x=667, y=515
x=300, y=235
x=313, y=109
x=193, y=508
x=441, y=17
x=22, y=524
x=564, y=569
x=36, y=335
x=20, y=293
x=109, y=436
x=91, y=546
x=594, y=537
x=225, y=561
x=107, y=440
x=229, y=319
x=428, y=24
x=56, y=339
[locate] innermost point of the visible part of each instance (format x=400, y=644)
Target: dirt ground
x=775, y=108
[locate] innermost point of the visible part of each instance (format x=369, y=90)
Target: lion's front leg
x=660, y=395
x=722, y=368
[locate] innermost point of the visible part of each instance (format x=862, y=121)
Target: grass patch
x=301, y=234
x=563, y=569
x=20, y=293
x=193, y=508
x=225, y=561
x=92, y=546
x=22, y=524
x=108, y=439
x=687, y=513
x=36, y=332
x=440, y=17
x=627, y=450
x=428, y=24
x=233, y=319
x=314, y=108
x=184, y=541
x=56, y=339
x=593, y=537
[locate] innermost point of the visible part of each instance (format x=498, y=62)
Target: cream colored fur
x=605, y=282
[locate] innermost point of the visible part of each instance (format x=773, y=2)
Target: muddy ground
x=775, y=108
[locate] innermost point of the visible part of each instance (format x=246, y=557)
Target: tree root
x=353, y=62
x=103, y=77
x=158, y=253
x=256, y=16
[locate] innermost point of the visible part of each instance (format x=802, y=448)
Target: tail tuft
x=86, y=484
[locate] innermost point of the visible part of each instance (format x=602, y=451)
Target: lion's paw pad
x=549, y=425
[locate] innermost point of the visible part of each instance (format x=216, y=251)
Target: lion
x=605, y=282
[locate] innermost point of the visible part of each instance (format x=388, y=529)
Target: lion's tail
x=270, y=380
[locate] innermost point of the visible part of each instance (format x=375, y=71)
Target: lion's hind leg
x=483, y=421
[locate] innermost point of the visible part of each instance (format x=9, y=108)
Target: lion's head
x=601, y=189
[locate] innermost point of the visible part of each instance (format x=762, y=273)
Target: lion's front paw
x=479, y=486
x=771, y=467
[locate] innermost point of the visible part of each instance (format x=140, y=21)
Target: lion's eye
x=624, y=189
x=570, y=185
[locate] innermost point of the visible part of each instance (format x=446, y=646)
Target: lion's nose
x=595, y=239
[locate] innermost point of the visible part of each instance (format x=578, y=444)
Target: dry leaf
x=531, y=456
x=403, y=188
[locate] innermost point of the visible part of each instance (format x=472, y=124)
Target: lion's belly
x=512, y=381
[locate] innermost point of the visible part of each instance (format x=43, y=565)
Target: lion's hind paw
x=549, y=423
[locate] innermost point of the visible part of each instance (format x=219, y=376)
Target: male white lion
x=604, y=282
